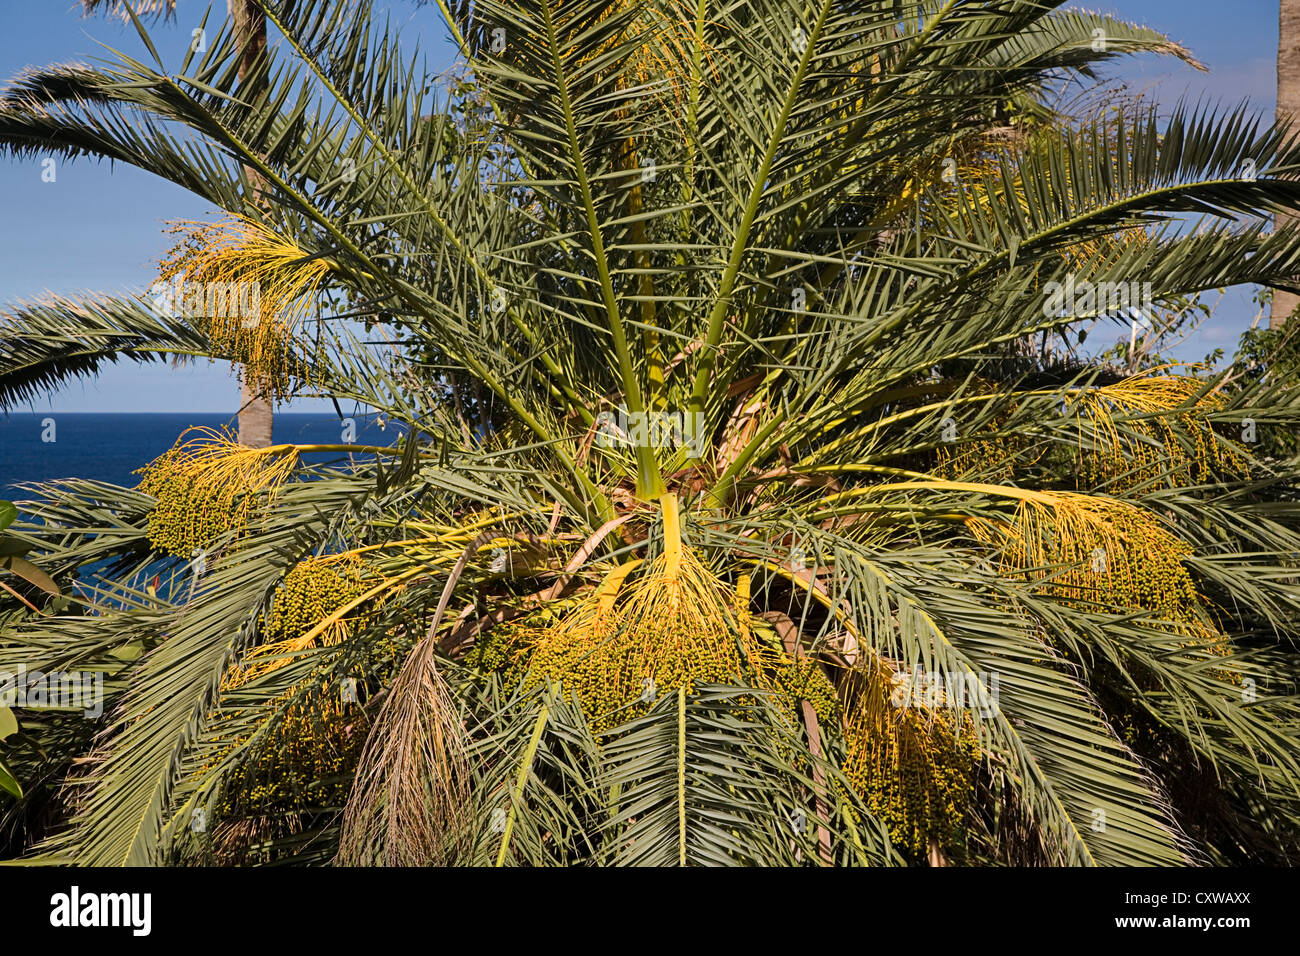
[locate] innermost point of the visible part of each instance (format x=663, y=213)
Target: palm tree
x=1288, y=107
x=256, y=413
x=732, y=521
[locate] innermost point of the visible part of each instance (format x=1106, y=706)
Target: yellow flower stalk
x=308, y=760
x=206, y=487
x=321, y=736
x=1102, y=552
x=311, y=592
x=1133, y=438
x=677, y=625
x=670, y=47
x=913, y=764
x=1087, y=254
x=250, y=289
x=1145, y=449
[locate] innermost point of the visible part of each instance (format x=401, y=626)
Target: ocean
x=45, y=446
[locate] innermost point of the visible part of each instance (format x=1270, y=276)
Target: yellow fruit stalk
x=250, y=289
x=206, y=486
x=675, y=626
x=914, y=765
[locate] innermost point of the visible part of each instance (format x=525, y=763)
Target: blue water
x=109, y=447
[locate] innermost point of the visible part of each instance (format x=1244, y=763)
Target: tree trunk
x=255, y=417
x=1288, y=108
x=255, y=410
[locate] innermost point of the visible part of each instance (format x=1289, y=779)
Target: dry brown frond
x=408, y=805
x=408, y=802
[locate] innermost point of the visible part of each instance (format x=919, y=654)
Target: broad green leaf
x=30, y=573
x=8, y=783
x=11, y=546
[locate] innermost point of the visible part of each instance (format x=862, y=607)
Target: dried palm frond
x=409, y=802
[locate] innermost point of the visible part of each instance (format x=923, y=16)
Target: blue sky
x=100, y=227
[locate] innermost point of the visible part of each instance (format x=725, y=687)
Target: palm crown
x=733, y=520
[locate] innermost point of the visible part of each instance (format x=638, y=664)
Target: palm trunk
x=255, y=417
x=255, y=411
x=1288, y=108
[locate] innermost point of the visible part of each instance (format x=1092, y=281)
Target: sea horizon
x=111, y=446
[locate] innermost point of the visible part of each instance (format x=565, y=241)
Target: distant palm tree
x=1288, y=110
x=256, y=412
